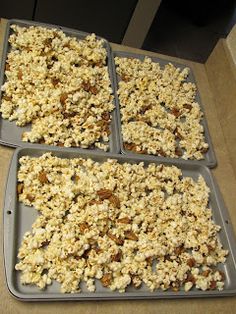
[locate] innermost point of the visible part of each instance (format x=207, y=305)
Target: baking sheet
x=18, y=219
x=10, y=133
x=210, y=158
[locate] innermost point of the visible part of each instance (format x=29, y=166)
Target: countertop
x=225, y=177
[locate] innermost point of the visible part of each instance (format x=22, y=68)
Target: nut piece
x=30, y=197
x=20, y=188
x=43, y=177
x=83, y=226
x=124, y=220
x=188, y=106
x=118, y=241
x=63, y=98
x=191, y=262
x=106, y=279
x=19, y=75
x=117, y=257
x=176, y=112
x=114, y=200
x=104, y=194
x=131, y=235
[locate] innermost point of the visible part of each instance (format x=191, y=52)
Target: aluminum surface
x=18, y=219
x=10, y=133
x=210, y=159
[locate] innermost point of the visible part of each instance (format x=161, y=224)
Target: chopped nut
x=7, y=67
x=124, y=220
x=30, y=197
x=86, y=86
x=83, y=226
x=213, y=285
x=131, y=235
x=176, y=112
x=43, y=177
x=106, y=116
x=118, y=241
x=93, y=90
x=55, y=81
x=63, y=98
x=117, y=257
x=191, y=262
x=106, y=279
x=20, y=188
x=114, y=200
x=205, y=273
x=178, y=152
x=19, y=75
x=104, y=194
x=188, y=106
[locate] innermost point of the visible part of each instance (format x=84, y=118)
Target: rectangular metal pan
x=210, y=159
x=19, y=218
x=10, y=133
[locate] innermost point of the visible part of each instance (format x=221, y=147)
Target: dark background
x=181, y=28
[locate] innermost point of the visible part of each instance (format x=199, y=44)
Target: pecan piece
x=125, y=78
x=188, y=106
x=19, y=75
x=161, y=152
x=7, y=98
x=114, y=200
x=30, y=197
x=178, y=250
x=116, y=257
x=190, y=278
x=47, y=41
x=124, y=220
x=92, y=202
x=20, y=188
x=149, y=260
x=222, y=274
x=43, y=177
x=83, y=226
x=130, y=146
x=104, y=194
x=213, y=285
x=191, y=262
x=63, y=98
x=60, y=144
x=118, y=241
x=106, y=116
x=177, y=134
x=86, y=86
x=106, y=279
x=205, y=273
x=93, y=90
x=7, y=67
x=130, y=235
x=55, y=81
x=178, y=152
x=175, y=112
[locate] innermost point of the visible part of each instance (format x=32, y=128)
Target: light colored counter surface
x=225, y=177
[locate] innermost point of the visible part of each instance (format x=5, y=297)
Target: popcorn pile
x=122, y=224
x=159, y=114
x=59, y=84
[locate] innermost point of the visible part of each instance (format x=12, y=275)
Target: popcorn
x=122, y=224
x=60, y=85
x=159, y=114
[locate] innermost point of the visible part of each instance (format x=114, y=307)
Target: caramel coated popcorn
x=159, y=114
x=60, y=85
x=120, y=224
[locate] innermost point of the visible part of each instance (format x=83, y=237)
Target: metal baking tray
x=10, y=133
x=210, y=159
x=18, y=219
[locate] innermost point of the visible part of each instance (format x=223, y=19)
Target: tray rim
x=114, y=147
x=228, y=230
x=211, y=163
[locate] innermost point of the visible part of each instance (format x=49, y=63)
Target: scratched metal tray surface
x=10, y=133
x=209, y=157
x=18, y=219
